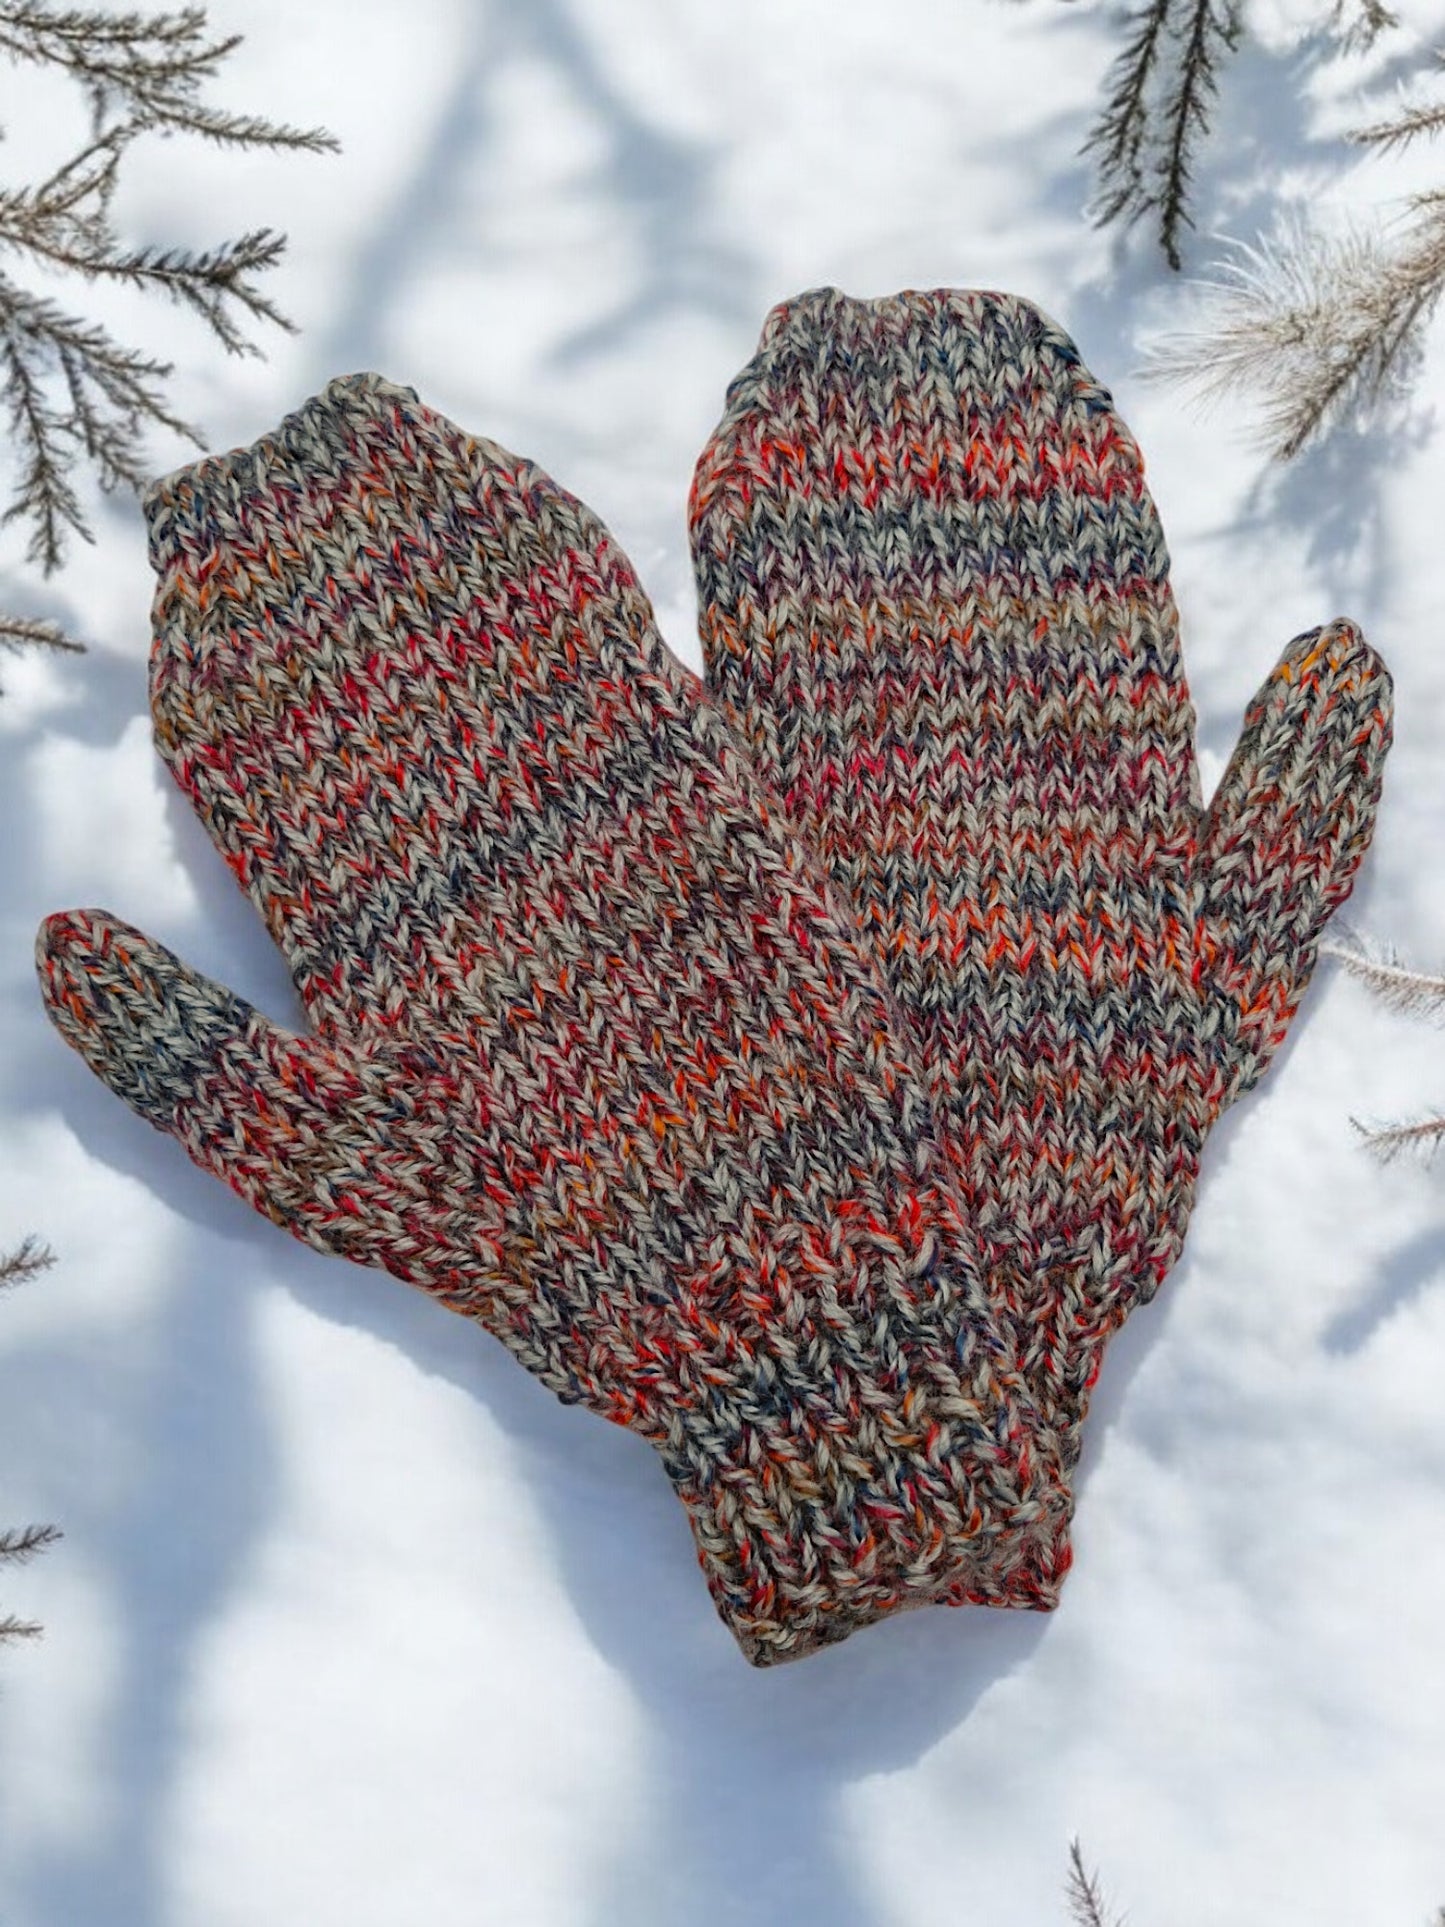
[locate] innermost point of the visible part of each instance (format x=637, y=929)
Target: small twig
x=19, y=1544
x=1386, y=135
x=22, y=1543
x=23, y=632
x=1370, y=19
x=28, y=1261
x=74, y=394
x=1411, y=991
x=1084, y=1895
x=12, y=1628
x=1420, y=1139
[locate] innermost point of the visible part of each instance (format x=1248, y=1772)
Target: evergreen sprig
x=75, y=396
x=28, y=1260
x=1318, y=327
x=141, y=71
x=1084, y=1894
x=20, y=1543
x=1161, y=88
x=1358, y=24
x=1414, y=993
x=25, y=632
x=1086, y=1899
x=1387, y=136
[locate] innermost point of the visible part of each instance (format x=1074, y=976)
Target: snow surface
x=352, y=1625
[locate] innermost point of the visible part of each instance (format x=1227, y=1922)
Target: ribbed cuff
x=806, y=1534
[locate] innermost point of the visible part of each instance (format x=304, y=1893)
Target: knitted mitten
x=934, y=596
x=593, y=1057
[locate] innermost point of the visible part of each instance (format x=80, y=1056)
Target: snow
x=353, y=1624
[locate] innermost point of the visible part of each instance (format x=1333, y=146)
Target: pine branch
x=1415, y=994
x=1160, y=91
x=1409, y=991
x=1083, y=1893
x=1213, y=30
x=21, y=1544
x=26, y=1262
x=1387, y=136
x=1122, y=130
x=1390, y=1141
x=236, y=130
x=1318, y=327
x=43, y=496
x=112, y=396
x=74, y=395
x=21, y=632
x=1358, y=24
x=206, y=282
x=147, y=69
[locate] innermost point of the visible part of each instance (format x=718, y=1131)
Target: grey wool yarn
x=934, y=598
x=594, y=1056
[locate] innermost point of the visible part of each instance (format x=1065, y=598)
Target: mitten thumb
x=248, y=1101
x=1284, y=835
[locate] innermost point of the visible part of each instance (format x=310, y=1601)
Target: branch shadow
x=170, y=1542
x=658, y=181
x=171, y=1550
x=1402, y=1277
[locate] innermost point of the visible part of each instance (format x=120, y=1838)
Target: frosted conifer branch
x=1315, y=327
x=75, y=396
x=1084, y=1895
x=1408, y=125
x=26, y=1261
x=25, y=632
x=1387, y=1142
x=1411, y=991
x=1415, y=993
x=21, y=1543
x=1359, y=23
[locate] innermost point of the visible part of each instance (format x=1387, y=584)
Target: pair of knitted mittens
x=808, y=1074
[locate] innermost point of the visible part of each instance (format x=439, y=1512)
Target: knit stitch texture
x=935, y=598
x=595, y=1056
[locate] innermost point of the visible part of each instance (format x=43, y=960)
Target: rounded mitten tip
x=1327, y=667
x=829, y=311
x=322, y=432
x=979, y=342
x=1313, y=746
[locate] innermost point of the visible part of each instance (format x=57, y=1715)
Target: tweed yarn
x=595, y=1058
x=934, y=596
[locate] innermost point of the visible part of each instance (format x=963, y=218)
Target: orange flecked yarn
x=935, y=599
x=595, y=1057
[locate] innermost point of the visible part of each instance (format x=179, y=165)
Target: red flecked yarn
x=595, y=1056
x=934, y=597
